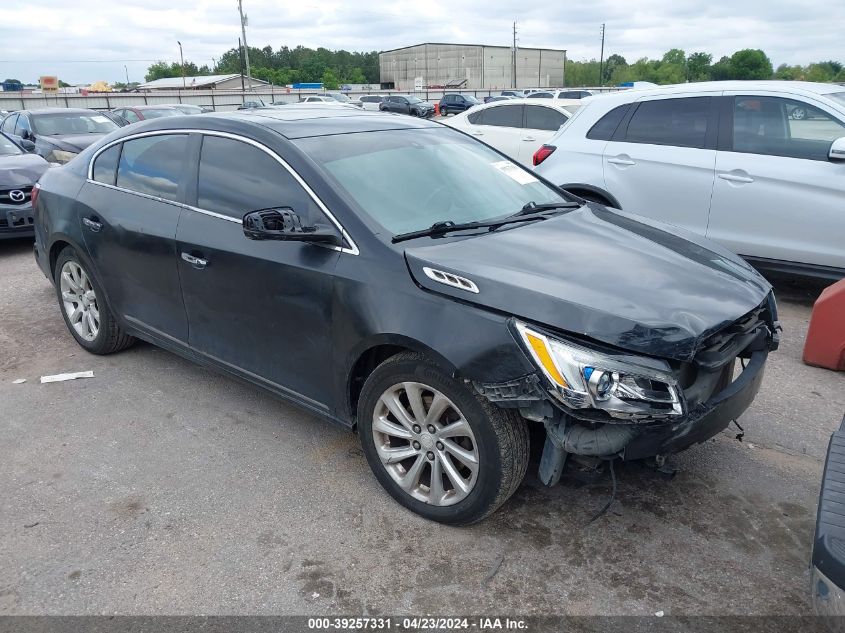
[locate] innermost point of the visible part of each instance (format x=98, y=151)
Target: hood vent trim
x=449, y=279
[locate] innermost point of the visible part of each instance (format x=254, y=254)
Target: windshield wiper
x=447, y=226
x=532, y=207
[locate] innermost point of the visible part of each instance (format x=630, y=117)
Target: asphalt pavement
x=159, y=487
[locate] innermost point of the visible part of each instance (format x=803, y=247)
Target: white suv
x=757, y=166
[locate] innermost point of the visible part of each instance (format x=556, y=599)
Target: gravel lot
x=158, y=487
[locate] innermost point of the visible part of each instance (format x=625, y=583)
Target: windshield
x=188, y=109
x=72, y=123
x=413, y=99
x=405, y=179
x=839, y=97
x=155, y=113
x=339, y=97
x=7, y=148
x=471, y=99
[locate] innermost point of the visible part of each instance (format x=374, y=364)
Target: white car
x=369, y=102
x=516, y=127
x=561, y=94
x=728, y=160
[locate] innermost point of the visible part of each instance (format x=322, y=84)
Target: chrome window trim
x=351, y=250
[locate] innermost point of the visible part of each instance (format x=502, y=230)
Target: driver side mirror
x=27, y=145
x=284, y=224
x=837, y=150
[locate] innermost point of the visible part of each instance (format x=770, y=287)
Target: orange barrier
x=436, y=108
x=825, y=344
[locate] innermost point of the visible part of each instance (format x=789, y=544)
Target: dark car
x=438, y=311
x=454, y=103
x=252, y=104
x=19, y=171
x=58, y=134
x=133, y=114
x=828, y=560
x=407, y=104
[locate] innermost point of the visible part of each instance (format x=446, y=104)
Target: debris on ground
x=495, y=569
x=659, y=614
x=69, y=376
x=19, y=381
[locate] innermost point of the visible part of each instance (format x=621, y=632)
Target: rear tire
x=477, y=451
x=84, y=309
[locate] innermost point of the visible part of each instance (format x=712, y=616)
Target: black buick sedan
x=437, y=310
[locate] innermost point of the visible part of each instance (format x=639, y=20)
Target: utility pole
x=243, y=34
x=127, y=76
x=513, y=59
x=182, y=61
x=601, y=58
x=241, y=60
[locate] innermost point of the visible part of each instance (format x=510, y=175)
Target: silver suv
x=757, y=166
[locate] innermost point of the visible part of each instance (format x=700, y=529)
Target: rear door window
x=154, y=165
x=9, y=124
x=605, y=127
x=678, y=122
x=105, y=165
x=540, y=118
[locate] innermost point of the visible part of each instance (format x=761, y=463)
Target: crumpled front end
x=607, y=404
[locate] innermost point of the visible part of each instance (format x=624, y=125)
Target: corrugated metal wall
x=484, y=67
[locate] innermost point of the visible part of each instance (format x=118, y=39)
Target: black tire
x=110, y=337
x=444, y=112
x=501, y=436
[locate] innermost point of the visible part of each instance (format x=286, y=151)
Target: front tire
x=438, y=448
x=84, y=310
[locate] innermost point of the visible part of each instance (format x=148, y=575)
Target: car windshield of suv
x=155, y=113
x=339, y=97
x=839, y=97
x=7, y=148
x=405, y=180
x=72, y=123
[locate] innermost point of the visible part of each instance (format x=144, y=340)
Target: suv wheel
x=444, y=112
x=86, y=314
x=438, y=448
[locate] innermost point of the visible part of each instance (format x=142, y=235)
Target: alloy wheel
x=425, y=444
x=79, y=300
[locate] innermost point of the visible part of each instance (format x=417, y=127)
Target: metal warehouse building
x=470, y=66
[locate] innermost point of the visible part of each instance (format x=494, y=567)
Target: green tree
x=612, y=65
x=329, y=79
x=722, y=70
x=751, y=63
x=698, y=66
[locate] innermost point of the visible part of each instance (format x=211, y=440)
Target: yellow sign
x=49, y=84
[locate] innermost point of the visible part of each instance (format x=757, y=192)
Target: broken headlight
x=587, y=379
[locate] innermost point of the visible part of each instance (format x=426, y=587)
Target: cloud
x=88, y=40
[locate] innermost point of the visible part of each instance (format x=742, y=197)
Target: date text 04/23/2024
x=418, y=624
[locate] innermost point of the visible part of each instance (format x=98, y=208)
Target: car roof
x=795, y=87
x=58, y=111
x=557, y=104
x=159, y=106
x=295, y=122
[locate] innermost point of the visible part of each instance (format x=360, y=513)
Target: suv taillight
x=33, y=196
x=543, y=153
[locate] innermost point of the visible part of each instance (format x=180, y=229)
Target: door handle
x=621, y=161
x=94, y=225
x=477, y=133
x=196, y=262
x=529, y=138
x=735, y=178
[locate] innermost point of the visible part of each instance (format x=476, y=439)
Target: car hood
x=21, y=170
x=613, y=277
x=72, y=142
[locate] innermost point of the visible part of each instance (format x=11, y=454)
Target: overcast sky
x=87, y=40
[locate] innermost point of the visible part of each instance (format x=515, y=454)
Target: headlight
x=60, y=156
x=586, y=379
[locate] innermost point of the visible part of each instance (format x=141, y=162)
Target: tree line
x=301, y=64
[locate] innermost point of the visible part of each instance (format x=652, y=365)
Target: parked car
x=133, y=114
x=19, y=171
x=57, y=134
x=342, y=98
x=370, y=102
x=725, y=159
x=271, y=246
x=407, y=104
x=252, y=104
x=189, y=108
x=492, y=98
x=516, y=127
x=560, y=94
x=828, y=561
x=454, y=103
x=317, y=99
